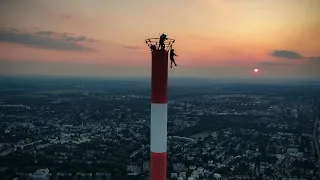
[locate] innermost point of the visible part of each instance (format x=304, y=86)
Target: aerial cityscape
x=100, y=129
x=160, y=90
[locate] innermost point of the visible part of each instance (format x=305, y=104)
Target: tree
x=222, y=170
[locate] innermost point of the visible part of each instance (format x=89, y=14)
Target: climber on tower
x=163, y=37
x=172, y=54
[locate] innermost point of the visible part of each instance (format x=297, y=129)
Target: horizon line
x=148, y=78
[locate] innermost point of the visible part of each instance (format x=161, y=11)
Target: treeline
x=215, y=123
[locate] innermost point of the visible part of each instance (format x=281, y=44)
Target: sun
x=256, y=70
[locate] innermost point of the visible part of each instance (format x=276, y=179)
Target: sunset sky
x=214, y=38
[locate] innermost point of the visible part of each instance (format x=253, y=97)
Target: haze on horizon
x=214, y=38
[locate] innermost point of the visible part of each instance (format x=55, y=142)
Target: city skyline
x=214, y=39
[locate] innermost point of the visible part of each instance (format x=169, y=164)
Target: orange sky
x=214, y=38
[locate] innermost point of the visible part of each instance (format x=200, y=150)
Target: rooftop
x=41, y=171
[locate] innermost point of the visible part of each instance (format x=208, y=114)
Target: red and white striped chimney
x=158, y=146
x=159, y=108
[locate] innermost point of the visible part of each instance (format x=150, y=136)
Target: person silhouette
x=172, y=54
x=163, y=37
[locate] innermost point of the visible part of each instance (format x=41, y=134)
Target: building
x=41, y=174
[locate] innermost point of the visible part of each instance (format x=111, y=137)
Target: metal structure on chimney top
x=153, y=43
x=159, y=107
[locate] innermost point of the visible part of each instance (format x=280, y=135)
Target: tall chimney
x=159, y=108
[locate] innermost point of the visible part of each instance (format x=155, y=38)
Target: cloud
x=314, y=58
x=65, y=36
x=46, y=33
x=45, y=39
x=272, y=64
x=131, y=47
x=80, y=39
x=286, y=54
